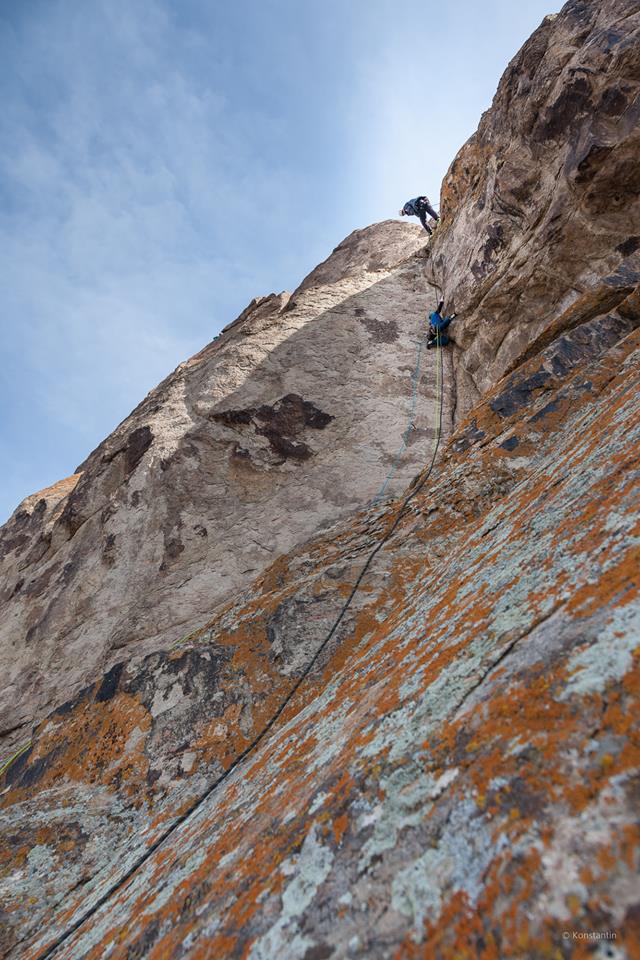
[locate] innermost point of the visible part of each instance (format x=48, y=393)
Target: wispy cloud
x=165, y=162
x=136, y=207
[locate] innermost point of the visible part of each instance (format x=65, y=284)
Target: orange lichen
x=481, y=705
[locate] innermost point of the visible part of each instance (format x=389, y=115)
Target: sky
x=165, y=161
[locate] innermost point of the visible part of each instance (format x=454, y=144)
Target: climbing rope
x=5, y=764
x=415, y=379
x=142, y=859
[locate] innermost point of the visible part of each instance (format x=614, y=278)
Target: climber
x=437, y=324
x=420, y=207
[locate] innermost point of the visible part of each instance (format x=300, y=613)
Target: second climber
x=420, y=207
x=436, y=337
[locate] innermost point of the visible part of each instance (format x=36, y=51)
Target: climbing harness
x=142, y=859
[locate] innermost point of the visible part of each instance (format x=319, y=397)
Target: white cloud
x=167, y=162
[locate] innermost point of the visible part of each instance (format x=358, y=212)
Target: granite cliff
x=458, y=774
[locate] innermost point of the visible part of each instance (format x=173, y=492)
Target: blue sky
x=168, y=160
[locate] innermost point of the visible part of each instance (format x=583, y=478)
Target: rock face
x=544, y=199
x=458, y=773
x=289, y=420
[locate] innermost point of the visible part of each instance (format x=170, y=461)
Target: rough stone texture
x=289, y=420
x=459, y=774
x=540, y=211
x=544, y=199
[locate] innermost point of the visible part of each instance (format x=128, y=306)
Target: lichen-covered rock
x=457, y=775
x=289, y=420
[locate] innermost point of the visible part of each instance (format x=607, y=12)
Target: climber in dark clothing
x=420, y=207
x=438, y=324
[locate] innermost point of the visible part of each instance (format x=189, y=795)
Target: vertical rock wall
x=292, y=418
x=458, y=776
x=543, y=201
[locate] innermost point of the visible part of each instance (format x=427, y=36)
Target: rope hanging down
x=142, y=859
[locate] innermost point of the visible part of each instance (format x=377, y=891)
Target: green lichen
x=607, y=658
x=309, y=869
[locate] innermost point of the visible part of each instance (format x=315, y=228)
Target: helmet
x=401, y=212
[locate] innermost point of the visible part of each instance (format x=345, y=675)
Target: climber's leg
x=431, y=212
x=423, y=221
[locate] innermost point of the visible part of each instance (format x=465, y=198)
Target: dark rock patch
x=198, y=670
x=138, y=443
x=133, y=448
x=280, y=423
x=320, y=952
x=573, y=102
x=69, y=705
x=471, y=435
x=142, y=946
x=232, y=418
x=292, y=414
x=591, y=162
x=174, y=548
x=287, y=449
x=519, y=394
x=23, y=776
x=628, y=246
x=381, y=331
x=546, y=410
x=72, y=517
x=613, y=102
x=14, y=772
x=616, y=186
x=9, y=544
x=109, y=685
x=240, y=453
